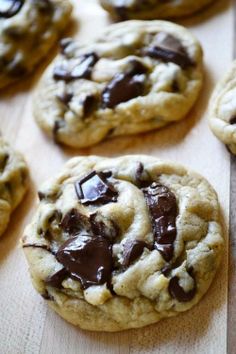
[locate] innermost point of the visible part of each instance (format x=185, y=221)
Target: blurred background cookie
x=28, y=30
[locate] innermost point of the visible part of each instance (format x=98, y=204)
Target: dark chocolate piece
x=104, y=227
x=136, y=67
x=64, y=43
x=57, y=125
x=88, y=260
x=41, y=196
x=73, y=222
x=166, y=270
x=9, y=8
x=94, y=188
x=57, y=278
x=169, y=49
x=163, y=208
x=233, y=120
x=121, y=13
x=89, y=104
x=47, y=296
x=133, y=250
x=82, y=70
x=122, y=88
x=177, y=292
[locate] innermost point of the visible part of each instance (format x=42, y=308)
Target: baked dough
x=119, y=243
x=138, y=76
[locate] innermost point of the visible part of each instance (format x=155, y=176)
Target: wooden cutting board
x=27, y=325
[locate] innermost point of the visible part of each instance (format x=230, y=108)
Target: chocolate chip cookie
x=13, y=182
x=222, y=110
x=152, y=9
x=28, y=30
x=124, y=242
x=138, y=76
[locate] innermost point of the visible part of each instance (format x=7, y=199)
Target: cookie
x=152, y=9
x=138, y=76
x=28, y=30
x=119, y=243
x=13, y=182
x=222, y=110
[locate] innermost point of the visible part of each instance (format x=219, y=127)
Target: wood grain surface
x=27, y=325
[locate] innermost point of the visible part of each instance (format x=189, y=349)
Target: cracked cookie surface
x=28, y=30
x=152, y=9
x=138, y=76
x=13, y=182
x=119, y=243
x=222, y=109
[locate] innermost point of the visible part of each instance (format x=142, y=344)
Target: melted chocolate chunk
x=73, y=222
x=9, y=8
x=166, y=270
x=88, y=260
x=121, y=12
x=41, y=196
x=56, y=279
x=89, y=104
x=169, y=49
x=122, y=88
x=177, y=292
x=82, y=70
x=233, y=120
x=132, y=251
x=104, y=227
x=163, y=208
x=141, y=180
x=136, y=68
x=94, y=188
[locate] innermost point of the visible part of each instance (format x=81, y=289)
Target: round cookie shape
x=152, y=9
x=138, y=76
x=120, y=243
x=14, y=177
x=222, y=109
x=28, y=30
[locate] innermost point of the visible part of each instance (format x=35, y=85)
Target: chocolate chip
x=166, y=270
x=104, y=227
x=121, y=13
x=57, y=278
x=9, y=8
x=163, y=208
x=233, y=120
x=141, y=179
x=89, y=104
x=3, y=162
x=47, y=296
x=73, y=222
x=177, y=292
x=169, y=49
x=65, y=97
x=136, y=67
x=132, y=251
x=82, y=70
x=88, y=260
x=58, y=124
x=122, y=88
x=41, y=196
x=95, y=188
